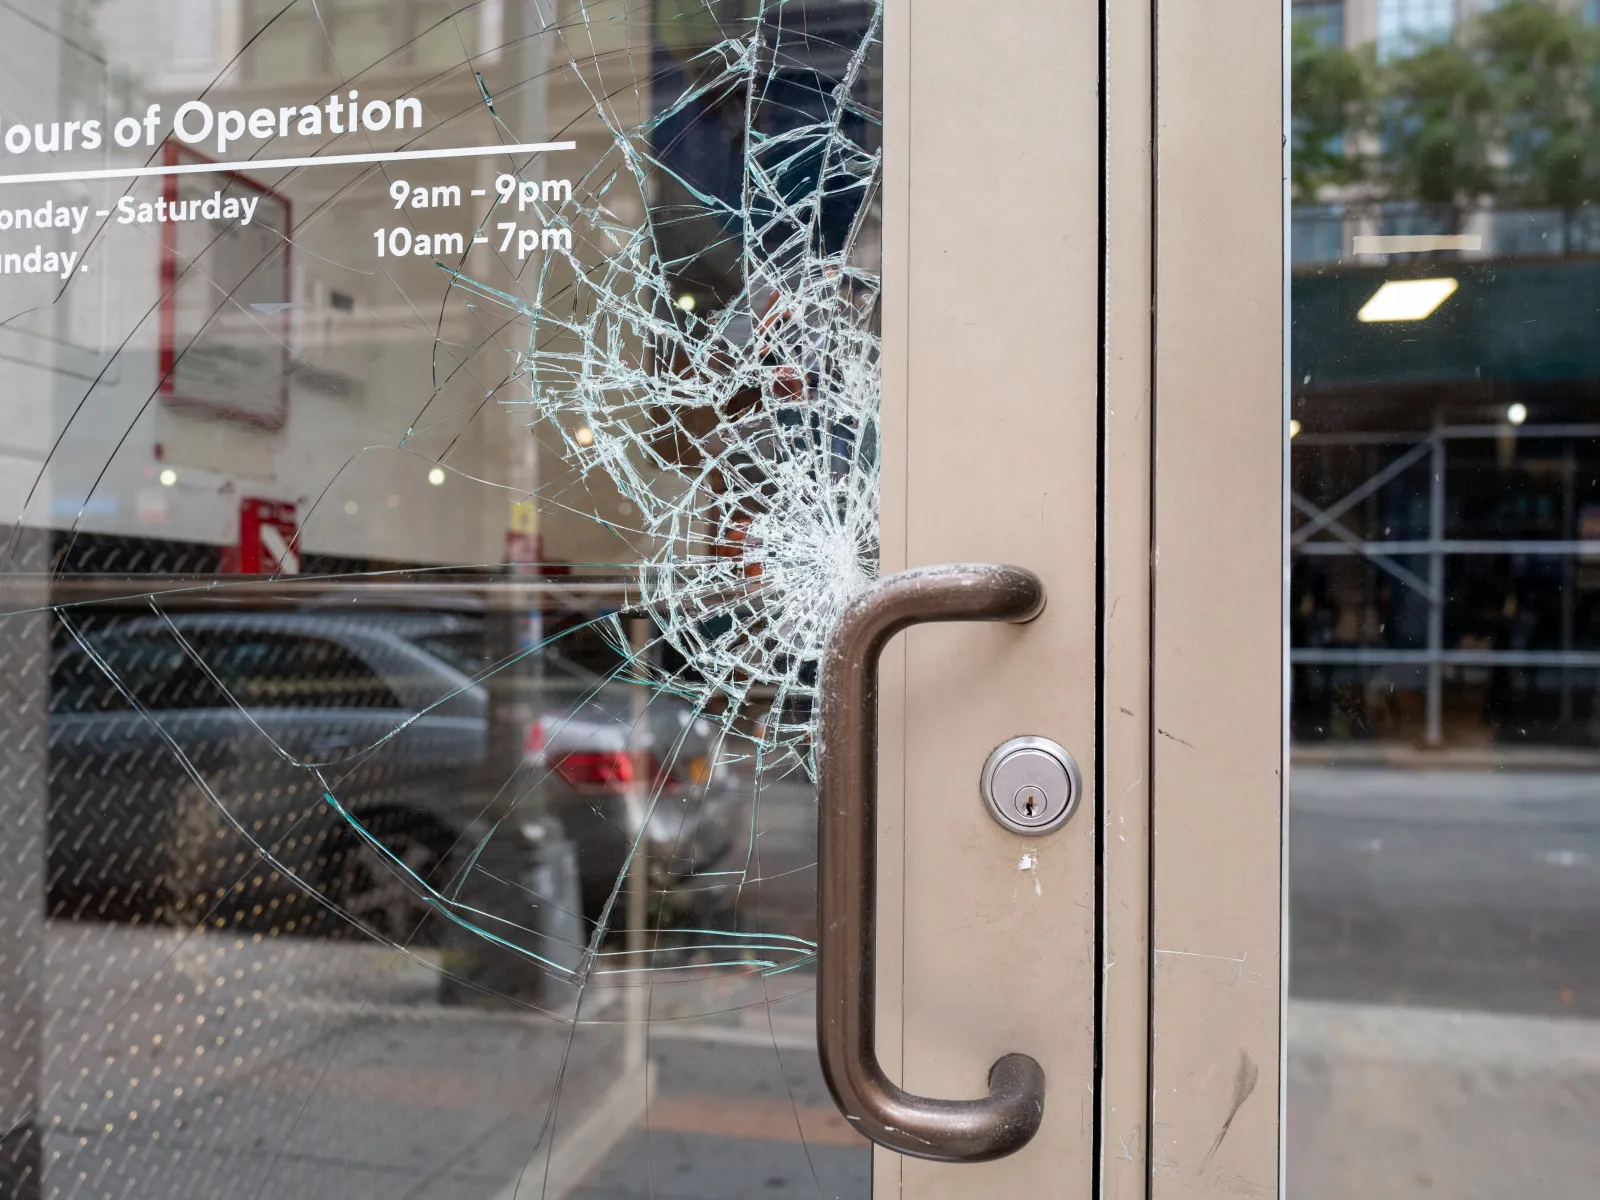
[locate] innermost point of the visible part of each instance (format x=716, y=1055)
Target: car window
x=78, y=685
x=152, y=666
x=462, y=649
x=291, y=670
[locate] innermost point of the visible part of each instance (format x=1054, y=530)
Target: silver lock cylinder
x=1031, y=785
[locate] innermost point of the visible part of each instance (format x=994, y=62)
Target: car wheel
x=379, y=888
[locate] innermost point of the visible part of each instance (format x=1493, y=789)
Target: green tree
x=1542, y=66
x=1507, y=111
x=1331, y=94
x=1437, y=129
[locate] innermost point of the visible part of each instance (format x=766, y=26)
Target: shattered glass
x=417, y=564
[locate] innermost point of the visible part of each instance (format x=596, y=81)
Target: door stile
x=1218, y=557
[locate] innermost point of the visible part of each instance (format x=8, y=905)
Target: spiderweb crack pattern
x=745, y=434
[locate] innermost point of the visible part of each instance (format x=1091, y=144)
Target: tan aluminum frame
x=986, y=939
x=1217, y=720
x=1185, y=243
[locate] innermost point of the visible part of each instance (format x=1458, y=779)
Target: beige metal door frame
x=1194, y=695
x=1083, y=330
x=990, y=406
x=1217, y=719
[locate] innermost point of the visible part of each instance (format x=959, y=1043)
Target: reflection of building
x=1446, y=468
x=311, y=361
x=366, y=354
x=1390, y=25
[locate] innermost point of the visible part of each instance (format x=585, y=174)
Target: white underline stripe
x=274, y=164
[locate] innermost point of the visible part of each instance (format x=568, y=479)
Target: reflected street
x=1448, y=888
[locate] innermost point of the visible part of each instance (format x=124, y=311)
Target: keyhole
x=1030, y=803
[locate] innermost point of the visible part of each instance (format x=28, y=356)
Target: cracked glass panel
x=440, y=437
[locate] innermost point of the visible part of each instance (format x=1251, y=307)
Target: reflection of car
x=604, y=767
x=225, y=735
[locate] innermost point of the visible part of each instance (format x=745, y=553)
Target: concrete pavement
x=1443, y=1036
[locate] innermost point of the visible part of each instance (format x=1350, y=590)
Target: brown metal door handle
x=847, y=753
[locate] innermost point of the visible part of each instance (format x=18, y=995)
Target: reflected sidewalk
x=1419, y=1102
x=201, y=1064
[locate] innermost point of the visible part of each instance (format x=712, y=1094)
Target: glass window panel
x=286, y=45
x=361, y=34
x=1446, y=738
x=1404, y=25
x=437, y=512
x=444, y=33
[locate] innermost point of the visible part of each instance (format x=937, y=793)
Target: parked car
x=280, y=769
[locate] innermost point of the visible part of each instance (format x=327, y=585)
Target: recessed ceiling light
x=686, y=302
x=436, y=476
x=168, y=477
x=1294, y=427
x=1517, y=413
x=583, y=435
x=1406, y=299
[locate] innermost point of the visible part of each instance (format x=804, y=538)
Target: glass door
x=444, y=441
x=1443, y=852
x=1372, y=423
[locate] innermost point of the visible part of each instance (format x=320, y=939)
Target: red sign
x=524, y=551
x=268, y=538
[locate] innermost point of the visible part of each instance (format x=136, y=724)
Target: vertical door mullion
x=1217, y=649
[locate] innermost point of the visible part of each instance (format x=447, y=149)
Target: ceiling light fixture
x=1407, y=299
